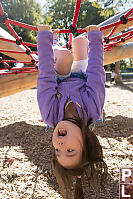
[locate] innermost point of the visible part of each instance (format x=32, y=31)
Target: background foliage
x=25, y=11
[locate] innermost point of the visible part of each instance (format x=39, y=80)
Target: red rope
x=101, y=28
x=109, y=46
x=122, y=35
x=16, y=69
x=114, y=24
x=15, y=34
x=8, y=40
x=70, y=39
x=30, y=44
x=17, y=72
x=25, y=43
x=10, y=22
x=75, y=18
x=67, y=30
x=14, y=51
x=128, y=13
x=1, y=10
x=112, y=31
x=5, y=64
x=79, y=30
x=24, y=62
x=23, y=25
x=12, y=30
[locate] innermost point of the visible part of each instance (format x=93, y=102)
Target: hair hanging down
x=92, y=167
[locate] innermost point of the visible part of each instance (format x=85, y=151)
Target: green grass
x=126, y=73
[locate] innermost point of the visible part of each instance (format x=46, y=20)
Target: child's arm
x=95, y=70
x=46, y=82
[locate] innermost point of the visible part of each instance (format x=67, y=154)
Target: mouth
x=62, y=132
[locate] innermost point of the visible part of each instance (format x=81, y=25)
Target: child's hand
x=55, y=36
x=92, y=28
x=44, y=27
x=55, y=31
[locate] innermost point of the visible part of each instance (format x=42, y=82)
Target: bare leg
x=80, y=54
x=80, y=48
x=63, y=61
x=63, y=57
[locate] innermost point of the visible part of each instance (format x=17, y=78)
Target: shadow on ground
x=118, y=128
x=35, y=143
x=115, y=127
x=126, y=84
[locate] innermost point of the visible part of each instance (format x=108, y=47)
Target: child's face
x=68, y=143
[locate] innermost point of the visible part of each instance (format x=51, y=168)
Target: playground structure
x=118, y=45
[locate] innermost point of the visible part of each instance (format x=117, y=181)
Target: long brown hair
x=91, y=167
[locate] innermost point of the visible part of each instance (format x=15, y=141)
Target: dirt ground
x=25, y=147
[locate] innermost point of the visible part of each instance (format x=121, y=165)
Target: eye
x=69, y=150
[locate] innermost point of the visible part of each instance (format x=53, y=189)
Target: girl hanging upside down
x=71, y=94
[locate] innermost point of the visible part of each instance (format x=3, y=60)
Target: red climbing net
x=109, y=41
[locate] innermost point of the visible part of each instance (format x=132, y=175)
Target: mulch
x=26, y=149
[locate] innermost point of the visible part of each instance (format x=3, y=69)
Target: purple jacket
x=89, y=95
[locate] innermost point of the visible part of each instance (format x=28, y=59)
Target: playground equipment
x=116, y=30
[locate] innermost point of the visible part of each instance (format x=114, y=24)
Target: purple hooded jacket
x=88, y=96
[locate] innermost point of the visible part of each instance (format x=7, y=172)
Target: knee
x=80, y=48
x=63, y=58
x=79, y=41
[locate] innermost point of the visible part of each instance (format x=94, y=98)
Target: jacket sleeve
x=46, y=82
x=95, y=85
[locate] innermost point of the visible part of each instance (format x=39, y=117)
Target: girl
x=71, y=97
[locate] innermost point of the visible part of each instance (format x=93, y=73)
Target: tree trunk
x=118, y=78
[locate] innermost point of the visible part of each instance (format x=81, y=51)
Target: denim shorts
x=78, y=70
x=71, y=75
